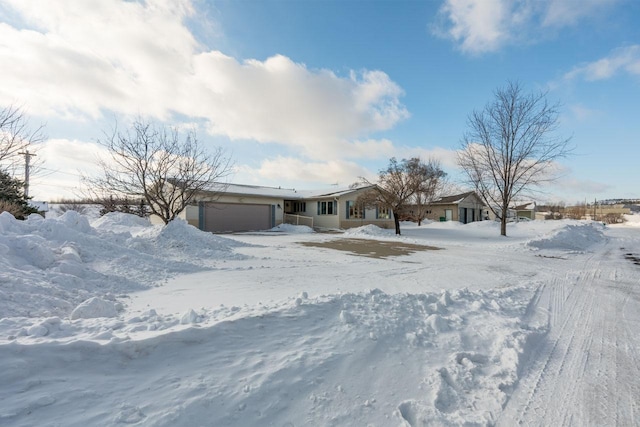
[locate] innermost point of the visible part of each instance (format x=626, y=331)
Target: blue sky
x=307, y=94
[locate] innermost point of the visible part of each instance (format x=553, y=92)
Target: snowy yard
x=111, y=321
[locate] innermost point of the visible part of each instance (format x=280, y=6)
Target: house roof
x=451, y=200
x=335, y=192
x=285, y=193
x=258, y=190
x=524, y=206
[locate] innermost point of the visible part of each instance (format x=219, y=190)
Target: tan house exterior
x=464, y=208
x=525, y=210
x=254, y=208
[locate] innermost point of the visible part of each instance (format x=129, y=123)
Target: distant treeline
x=107, y=204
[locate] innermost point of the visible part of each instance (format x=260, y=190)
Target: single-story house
x=250, y=208
x=466, y=207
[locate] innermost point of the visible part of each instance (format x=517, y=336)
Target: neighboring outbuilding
x=465, y=208
x=525, y=210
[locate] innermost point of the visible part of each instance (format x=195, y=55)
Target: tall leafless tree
x=160, y=166
x=401, y=184
x=510, y=147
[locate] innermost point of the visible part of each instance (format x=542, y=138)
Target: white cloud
x=561, y=13
x=571, y=189
x=78, y=59
x=448, y=158
x=82, y=57
x=278, y=100
x=482, y=26
x=582, y=113
x=478, y=26
x=291, y=171
x=621, y=60
x=64, y=161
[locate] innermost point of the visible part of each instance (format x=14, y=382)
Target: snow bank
x=292, y=229
x=94, y=307
x=49, y=266
x=180, y=238
x=631, y=221
x=369, y=231
x=120, y=222
x=573, y=237
x=447, y=358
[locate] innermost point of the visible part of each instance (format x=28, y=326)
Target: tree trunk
x=503, y=222
x=397, y=222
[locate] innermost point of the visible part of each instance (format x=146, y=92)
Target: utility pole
x=27, y=162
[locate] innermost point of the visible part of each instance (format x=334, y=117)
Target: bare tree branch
x=403, y=183
x=16, y=137
x=159, y=165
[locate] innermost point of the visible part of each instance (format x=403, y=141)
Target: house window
x=354, y=211
x=299, y=206
x=383, y=213
x=327, y=208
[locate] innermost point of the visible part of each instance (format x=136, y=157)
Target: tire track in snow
x=586, y=370
x=626, y=350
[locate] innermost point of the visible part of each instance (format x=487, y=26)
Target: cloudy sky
x=311, y=93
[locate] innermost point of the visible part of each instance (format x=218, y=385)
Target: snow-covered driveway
x=587, y=370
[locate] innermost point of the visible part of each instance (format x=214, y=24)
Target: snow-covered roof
x=523, y=206
x=257, y=190
x=449, y=200
x=334, y=192
x=285, y=193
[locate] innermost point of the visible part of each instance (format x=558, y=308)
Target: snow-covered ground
x=112, y=321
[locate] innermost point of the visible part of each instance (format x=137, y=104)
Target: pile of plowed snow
x=572, y=237
x=368, y=231
x=448, y=358
x=49, y=266
x=292, y=229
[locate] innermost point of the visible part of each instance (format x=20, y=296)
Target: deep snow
x=112, y=321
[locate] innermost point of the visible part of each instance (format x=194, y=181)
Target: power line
x=59, y=171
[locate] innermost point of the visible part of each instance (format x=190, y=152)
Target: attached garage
x=219, y=217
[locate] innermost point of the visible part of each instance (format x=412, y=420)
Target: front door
x=448, y=214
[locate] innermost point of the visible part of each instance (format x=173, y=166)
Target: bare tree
x=510, y=147
x=16, y=137
x=160, y=166
x=578, y=211
x=400, y=184
x=429, y=189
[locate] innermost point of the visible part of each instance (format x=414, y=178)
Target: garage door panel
x=222, y=217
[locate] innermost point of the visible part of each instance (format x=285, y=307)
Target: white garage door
x=224, y=217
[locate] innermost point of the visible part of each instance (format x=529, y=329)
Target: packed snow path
x=587, y=370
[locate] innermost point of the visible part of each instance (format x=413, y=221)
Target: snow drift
x=572, y=237
x=49, y=266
